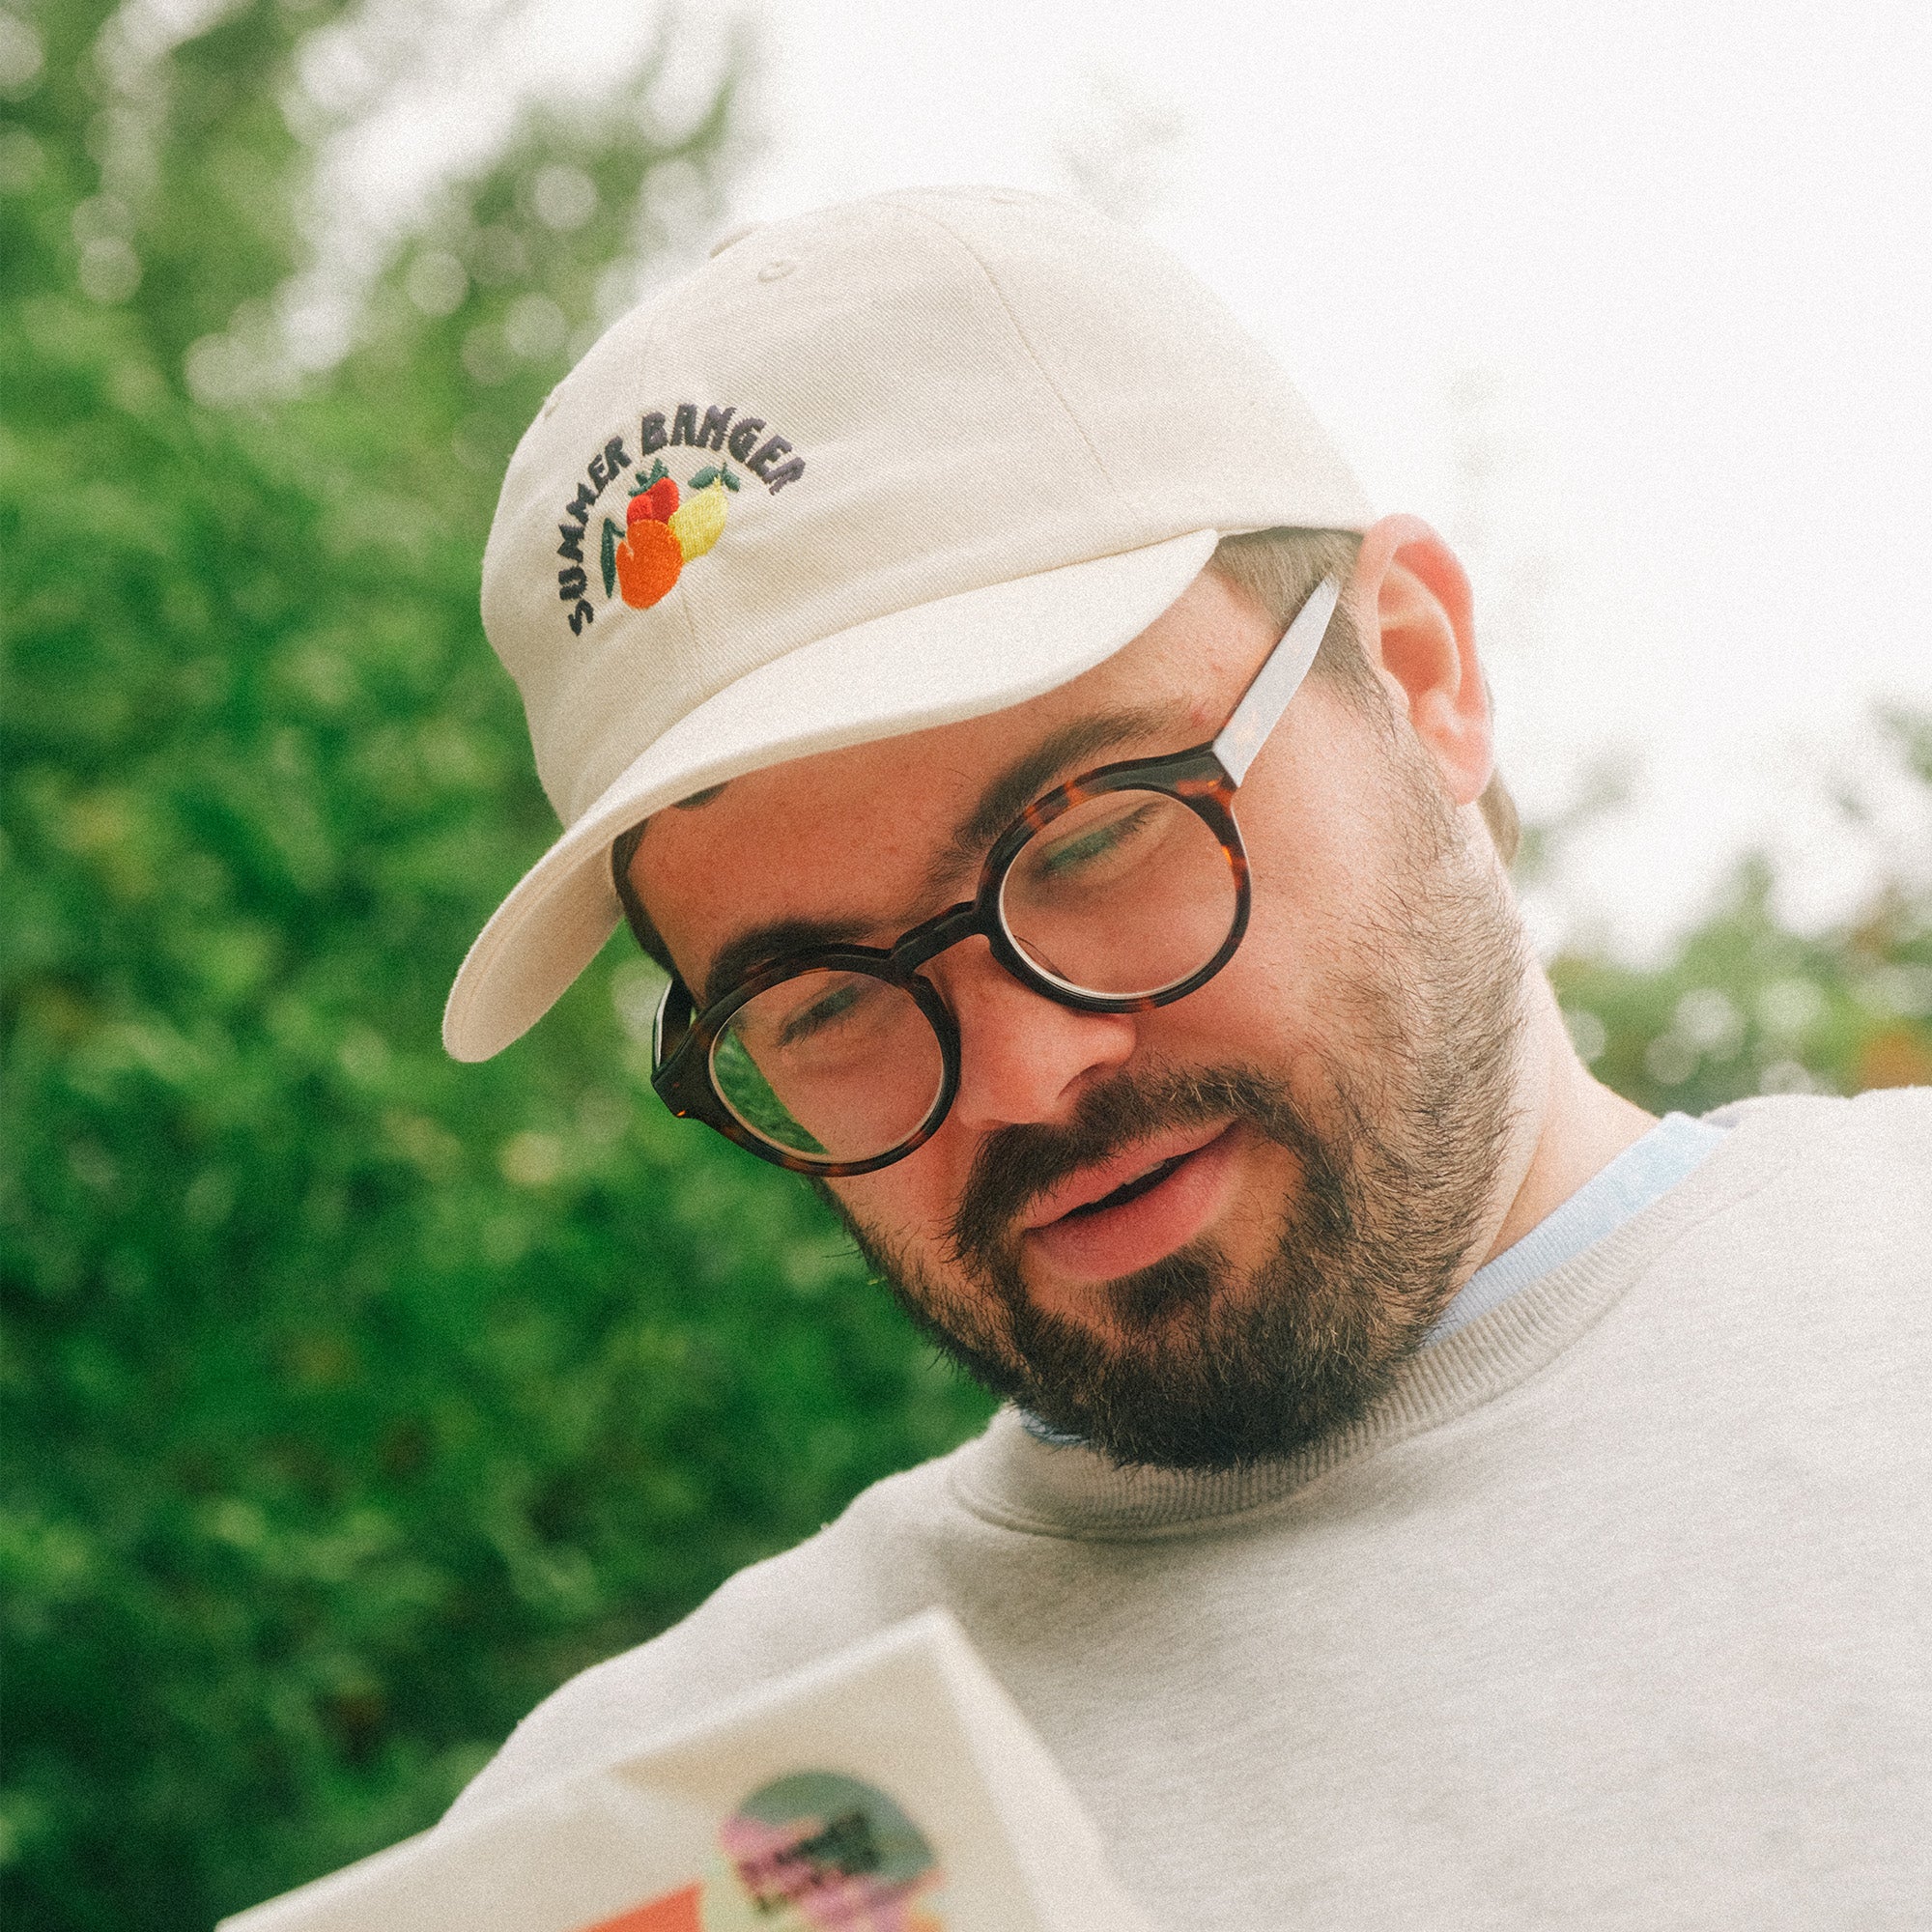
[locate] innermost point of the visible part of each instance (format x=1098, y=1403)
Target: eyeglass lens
x=1125, y=894
x=834, y=1066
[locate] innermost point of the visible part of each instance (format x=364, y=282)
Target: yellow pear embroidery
x=699, y=522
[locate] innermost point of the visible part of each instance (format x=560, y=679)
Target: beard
x=1397, y=1144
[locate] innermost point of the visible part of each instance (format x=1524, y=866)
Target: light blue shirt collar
x=1646, y=1171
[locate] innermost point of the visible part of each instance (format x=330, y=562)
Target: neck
x=1571, y=1127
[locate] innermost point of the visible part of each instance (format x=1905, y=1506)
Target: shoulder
x=1812, y=1195
x=861, y=1573
x=1888, y=1130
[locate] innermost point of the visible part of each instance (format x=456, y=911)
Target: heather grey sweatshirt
x=1615, y=1611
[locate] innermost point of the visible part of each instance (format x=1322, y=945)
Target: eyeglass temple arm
x=1276, y=682
x=672, y=1015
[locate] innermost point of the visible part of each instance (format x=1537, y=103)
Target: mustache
x=1018, y=1164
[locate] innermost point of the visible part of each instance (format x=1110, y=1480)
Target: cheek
x=1275, y=991
x=910, y=1204
x=1315, y=875
x=1274, y=986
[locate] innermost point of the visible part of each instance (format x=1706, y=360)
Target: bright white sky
x=1633, y=303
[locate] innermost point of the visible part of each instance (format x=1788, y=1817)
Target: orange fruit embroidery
x=674, y=1912
x=648, y=561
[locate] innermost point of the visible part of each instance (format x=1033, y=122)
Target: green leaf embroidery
x=611, y=535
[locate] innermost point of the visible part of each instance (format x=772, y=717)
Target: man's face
x=1198, y=1235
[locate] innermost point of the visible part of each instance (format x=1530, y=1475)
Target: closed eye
x=1090, y=844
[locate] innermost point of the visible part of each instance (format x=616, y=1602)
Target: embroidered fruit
x=700, y=523
x=648, y=561
x=657, y=504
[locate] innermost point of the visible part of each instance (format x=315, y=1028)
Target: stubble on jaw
x=1396, y=1142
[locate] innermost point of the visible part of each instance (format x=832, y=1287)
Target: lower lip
x=1116, y=1241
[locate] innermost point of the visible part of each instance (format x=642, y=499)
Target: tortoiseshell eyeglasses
x=1123, y=889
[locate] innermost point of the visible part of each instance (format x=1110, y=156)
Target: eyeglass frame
x=1204, y=778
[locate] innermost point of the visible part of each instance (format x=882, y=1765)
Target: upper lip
x=1092, y=1183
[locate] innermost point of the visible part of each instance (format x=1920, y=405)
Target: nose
x=1023, y=1058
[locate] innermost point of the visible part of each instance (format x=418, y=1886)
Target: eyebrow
x=1010, y=791
x=1000, y=800
x=738, y=958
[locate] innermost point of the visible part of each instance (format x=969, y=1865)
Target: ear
x=1416, y=619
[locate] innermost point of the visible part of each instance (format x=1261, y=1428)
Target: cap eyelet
x=776, y=271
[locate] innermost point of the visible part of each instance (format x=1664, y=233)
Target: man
x=1432, y=1493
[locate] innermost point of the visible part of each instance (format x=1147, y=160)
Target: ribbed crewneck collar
x=1009, y=1477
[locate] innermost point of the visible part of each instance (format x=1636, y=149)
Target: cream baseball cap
x=880, y=467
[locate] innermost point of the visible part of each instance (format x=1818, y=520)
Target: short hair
x=1277, y=569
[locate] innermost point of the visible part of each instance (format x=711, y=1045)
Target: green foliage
x=355, y=1398
x=1746, y=1007
x=1743, y=1005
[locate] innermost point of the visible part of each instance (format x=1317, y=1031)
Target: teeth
x=1139, y=1181
x=1140, y=1175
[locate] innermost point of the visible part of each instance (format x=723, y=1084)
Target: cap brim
x=957, y=657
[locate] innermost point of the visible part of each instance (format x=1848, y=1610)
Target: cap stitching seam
x=1054, y=389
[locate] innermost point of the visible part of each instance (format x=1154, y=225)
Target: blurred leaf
x=1744, y=1005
